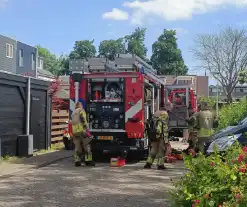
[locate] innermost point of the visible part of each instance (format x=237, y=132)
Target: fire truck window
x=113, y=90
x=106, y=91
x=148, y=95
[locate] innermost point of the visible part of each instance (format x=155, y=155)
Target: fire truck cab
x=119, y=97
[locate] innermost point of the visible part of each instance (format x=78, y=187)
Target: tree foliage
x=83, y=49
x=64, y=64
x=166, y=57
x=109, y=48
x=135, y=43
x=243, y=77
x=51, y=62
x=53, y=90
x=215, y=180
x=224, y=55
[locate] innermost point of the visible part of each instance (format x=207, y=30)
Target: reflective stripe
x=77, y=157
x=77, y=128
x=150, y=159
x=205, y=132
x=160, y=161
x=133, y=110
x=71, y=107
x=89, y=157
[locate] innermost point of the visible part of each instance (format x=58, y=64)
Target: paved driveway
x=63, y=185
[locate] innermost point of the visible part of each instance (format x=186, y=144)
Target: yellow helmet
x=164, y=115
x=161, y=114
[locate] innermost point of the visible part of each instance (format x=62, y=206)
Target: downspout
x=28, y=92
x=36, y=63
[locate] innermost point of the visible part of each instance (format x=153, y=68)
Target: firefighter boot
x=160, y=164
x=82, y=157
x=149, y=162
x=89, y=163
x=147, y=166
x=77, y=159
x=89, y=160
x=161, y=167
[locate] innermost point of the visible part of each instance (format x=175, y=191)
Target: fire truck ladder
x=140, y=65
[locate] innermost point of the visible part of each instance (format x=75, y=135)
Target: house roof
x=45, y=73
x=63, y=94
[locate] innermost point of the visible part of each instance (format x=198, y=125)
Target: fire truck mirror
x=76, y=77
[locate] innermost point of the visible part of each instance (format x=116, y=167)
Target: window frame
x=9, y=50
x=33, y=61
x=21, y=58
x=40, y=66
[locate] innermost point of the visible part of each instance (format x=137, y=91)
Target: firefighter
x=178, y=100
x=205, y=121
x=80, y=136
x=192, y=140
x=158, y=140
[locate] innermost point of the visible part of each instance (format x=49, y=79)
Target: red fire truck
x=118, y=96
x=182, y=97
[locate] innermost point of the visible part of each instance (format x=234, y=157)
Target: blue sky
x=57, y=24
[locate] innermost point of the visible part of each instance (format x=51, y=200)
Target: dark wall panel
x=38, y=118
x=11, y=117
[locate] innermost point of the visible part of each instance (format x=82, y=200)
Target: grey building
x=198, y=83
x=8, y=54
x=20, y=58
x=26, y=59
x=238, y=92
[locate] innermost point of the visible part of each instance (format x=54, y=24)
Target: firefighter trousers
x=157, y=150
x=82, y=147
x=193, y=140
x=201, y=141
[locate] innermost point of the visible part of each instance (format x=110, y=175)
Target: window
x=33, y=61
x=239, y=90
x=40, y=63
x=214, y=90
x=9, y=50
x=21, y=58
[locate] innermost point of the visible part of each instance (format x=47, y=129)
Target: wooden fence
x=60, y=120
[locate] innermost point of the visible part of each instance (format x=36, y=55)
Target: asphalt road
x=63, y=185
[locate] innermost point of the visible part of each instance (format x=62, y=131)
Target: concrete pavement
x=21, y=165
x=63, y=185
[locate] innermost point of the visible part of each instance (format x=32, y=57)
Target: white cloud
x=172, y=10
x=116, y=14
x=180, y=30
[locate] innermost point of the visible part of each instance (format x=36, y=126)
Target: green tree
x=135, y=43
x=166, y=57
x=64, y=64
x=224, y=55
x=51, y=62
x=109, y=48
x=83, y=49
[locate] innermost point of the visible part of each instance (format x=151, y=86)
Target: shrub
x=232, y=113
x=210, y=100
x=214, y=181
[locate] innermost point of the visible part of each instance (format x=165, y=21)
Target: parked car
x=226, y=137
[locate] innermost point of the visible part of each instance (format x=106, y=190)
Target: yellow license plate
x=105, y=137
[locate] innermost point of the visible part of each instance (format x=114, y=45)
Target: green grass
x=14, y=159
x=52, y=148
x=10, y=159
